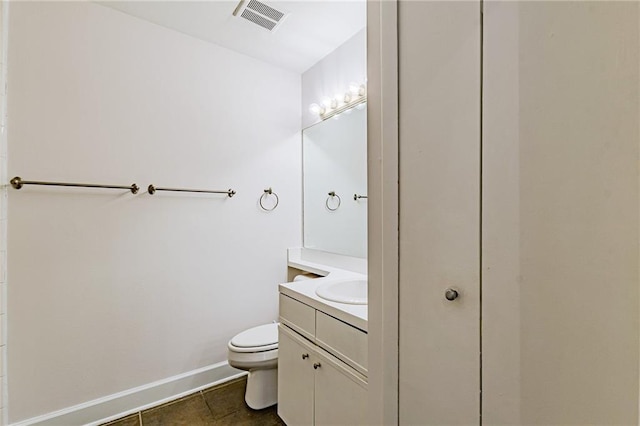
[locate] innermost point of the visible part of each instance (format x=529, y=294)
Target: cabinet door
x=439, y=72
x=295, y=379
x=340, y=394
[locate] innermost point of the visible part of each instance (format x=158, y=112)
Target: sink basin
x=351, y=292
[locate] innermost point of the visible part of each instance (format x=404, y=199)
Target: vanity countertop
x=305, y=291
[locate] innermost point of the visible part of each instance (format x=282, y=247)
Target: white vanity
x=322, y=355
x=322, y=336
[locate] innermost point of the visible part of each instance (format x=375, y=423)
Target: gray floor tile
x=226, y=399
x=221, y=405
x=132, y=420
x=229, y=408
x=249, y=417
x=188, y=411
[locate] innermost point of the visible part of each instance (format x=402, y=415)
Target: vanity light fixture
x=332, y=107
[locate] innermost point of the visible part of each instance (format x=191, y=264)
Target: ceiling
x=311, y=30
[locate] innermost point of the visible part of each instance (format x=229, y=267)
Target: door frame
x=383, y=220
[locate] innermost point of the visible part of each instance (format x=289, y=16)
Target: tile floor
x=220, y=405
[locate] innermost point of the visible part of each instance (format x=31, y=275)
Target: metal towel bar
x=151, y=189
x=18, y=183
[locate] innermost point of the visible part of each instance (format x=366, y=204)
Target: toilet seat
x=262, y=338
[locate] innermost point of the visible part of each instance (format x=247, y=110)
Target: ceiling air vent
x=260, y=14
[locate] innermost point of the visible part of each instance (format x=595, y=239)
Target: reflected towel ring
x=333, y=194
x=264, y=196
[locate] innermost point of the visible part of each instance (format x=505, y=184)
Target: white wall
x=109, y=290
x=333, y=74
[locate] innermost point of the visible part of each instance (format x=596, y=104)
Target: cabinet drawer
x=298, y=316
x=342, y=340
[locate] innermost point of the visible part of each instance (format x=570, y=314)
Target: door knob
x=451, y=294
x=305, y=356
x=316, y=365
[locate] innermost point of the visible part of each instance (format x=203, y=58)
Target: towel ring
x=264, y=196
x=331, y=195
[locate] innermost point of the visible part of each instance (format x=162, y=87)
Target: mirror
x=335, y=184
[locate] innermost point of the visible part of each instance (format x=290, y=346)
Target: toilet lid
x=263, y=335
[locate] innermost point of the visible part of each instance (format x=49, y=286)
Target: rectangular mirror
x=335, y=184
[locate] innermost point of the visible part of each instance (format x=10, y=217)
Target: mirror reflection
x=335, y=184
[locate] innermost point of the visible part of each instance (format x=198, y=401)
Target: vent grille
x=259, y=20
x=265, y=10
x=260, y=14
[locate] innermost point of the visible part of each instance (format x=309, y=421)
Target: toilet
x=256, y=350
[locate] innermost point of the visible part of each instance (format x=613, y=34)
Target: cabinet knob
x=451, y=294
x=316, y=365
x=305, y=356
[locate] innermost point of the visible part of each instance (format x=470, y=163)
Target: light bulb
x=362, y=90
x=354, y=88
x=334, y=103
x=315, y=109
x=326, y=102
x=347, y=97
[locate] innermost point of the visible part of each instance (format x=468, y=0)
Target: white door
x=560, y=213
x=439, y=102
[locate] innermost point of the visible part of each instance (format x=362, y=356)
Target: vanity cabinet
x=296, y=378
x=314, y=385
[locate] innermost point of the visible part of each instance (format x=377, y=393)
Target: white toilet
x=256, y=350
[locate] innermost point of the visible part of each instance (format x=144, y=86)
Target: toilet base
x=262, y=388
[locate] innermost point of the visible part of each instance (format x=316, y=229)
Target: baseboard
x=131, y=401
